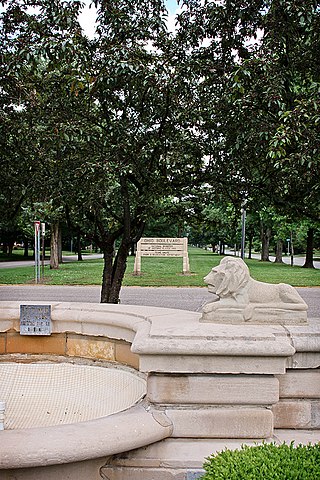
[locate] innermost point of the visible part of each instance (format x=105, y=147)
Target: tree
x=110, y=128
x=258, y=84
x=30, y=104
x=104, y=116
x=136, y=156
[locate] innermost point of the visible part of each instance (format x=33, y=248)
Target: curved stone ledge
x=32, y=447
x=83, y=318
x=155, y=330
x=164, y=337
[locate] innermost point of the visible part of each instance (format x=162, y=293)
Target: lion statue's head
x=228, y=278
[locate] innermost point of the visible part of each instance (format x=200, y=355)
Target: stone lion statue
x=242, y=299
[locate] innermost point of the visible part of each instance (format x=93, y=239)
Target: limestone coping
x=155, y=331
x=306, y=339
x=31, y=447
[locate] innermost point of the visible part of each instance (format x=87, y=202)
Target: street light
x=243, y=228
x=37, y=250
x=43, y=232
x=288, y=248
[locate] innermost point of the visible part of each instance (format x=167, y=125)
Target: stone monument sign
x=162, y=247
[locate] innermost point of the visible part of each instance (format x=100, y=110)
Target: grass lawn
x=161, y=272
x=17, y=255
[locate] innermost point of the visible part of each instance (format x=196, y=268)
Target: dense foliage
x=265, y=462
x=103, y=135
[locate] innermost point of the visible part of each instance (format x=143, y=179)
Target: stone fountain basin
x=50, y=394
x=62, y=412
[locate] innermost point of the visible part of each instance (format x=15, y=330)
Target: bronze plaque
x=35, y=319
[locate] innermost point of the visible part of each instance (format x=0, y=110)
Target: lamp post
x=43, y=232
x=243, y=228
x=37, y=250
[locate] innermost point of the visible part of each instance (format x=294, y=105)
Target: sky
x=172, y=6
x=88, y=14
x=87, y=17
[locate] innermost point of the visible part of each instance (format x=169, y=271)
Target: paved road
x=66, y=259
x=192, y=298
x=297, y=261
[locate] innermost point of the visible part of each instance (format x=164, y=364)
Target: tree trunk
x=265, y=242
x=79, y=246
x=279, y=250
x=54, y=246
x=115, y=266
x=113, y=271
x=25, y=248
x=59, y=244
x=10, y=246
x=309, y=252
x=250, y=246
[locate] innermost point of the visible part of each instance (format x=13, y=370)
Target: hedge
x=265, y=462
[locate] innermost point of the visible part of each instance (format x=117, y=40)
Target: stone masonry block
x=304, y=360
x=221, y=422
x=212, y=364
x=297, y=414
x=90, y=347
x=125, y=356
x=54, y=344
x=120, y=473
x=87, y=470
x=213, y=389
x=178, y=453
x=292, y=414
x=300, y=384
x=315, y=415
x=2, y=344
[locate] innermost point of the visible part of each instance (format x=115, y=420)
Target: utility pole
x=43, y=232
x=37, y=250
x=243, y=228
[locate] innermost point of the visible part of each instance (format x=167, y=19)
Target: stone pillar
x=186, y=266
x=137, y=261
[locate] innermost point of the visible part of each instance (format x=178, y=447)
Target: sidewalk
x=66, y=259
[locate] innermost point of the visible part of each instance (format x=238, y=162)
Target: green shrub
x=265, y=462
